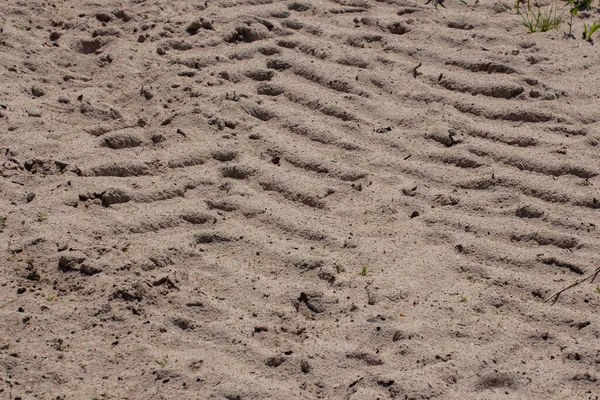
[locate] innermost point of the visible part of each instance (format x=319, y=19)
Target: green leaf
x=593, y=29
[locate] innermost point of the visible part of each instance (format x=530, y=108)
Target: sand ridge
x=252, y=199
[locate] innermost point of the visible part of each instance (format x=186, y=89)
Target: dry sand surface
x=258, y=199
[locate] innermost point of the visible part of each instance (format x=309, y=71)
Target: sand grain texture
x=190, y=191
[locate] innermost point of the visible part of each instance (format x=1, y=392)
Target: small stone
x=275, y=362
x=54, y=36
x=30, y=196
x=304, y=367
x=34, y=112
x=103, y=17
x=157, y=138
x=37, y=91
x=147, y=93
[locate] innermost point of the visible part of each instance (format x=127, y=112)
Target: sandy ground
x=251, y=199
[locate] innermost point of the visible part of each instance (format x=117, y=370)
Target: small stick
x=592, y=276
x=415, y=73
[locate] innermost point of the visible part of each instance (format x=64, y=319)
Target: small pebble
x=34, y=112
x=37, y=91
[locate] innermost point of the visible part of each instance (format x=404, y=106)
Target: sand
x=250, y=199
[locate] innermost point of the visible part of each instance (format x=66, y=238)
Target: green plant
x=572, y=12
x=597, y=288
x=162, y=362
x=364, y=271
x=588, y=31
x=575, y=7
x=463, y=299
x=538, y=21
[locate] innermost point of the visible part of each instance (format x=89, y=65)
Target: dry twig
x=555, y=296
x=415, y=72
